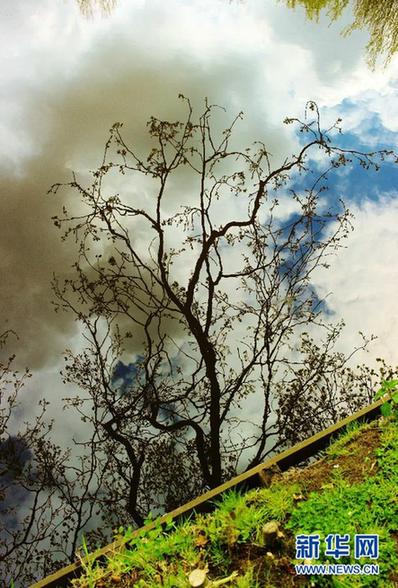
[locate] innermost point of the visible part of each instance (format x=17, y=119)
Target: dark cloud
x=71, y=79
x=67, y=116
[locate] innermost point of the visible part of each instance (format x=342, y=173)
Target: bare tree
x=21, y=489
x=206, y=347
x=210, y=303
x=46, y=498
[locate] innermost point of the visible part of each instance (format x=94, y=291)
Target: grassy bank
x=248, y=541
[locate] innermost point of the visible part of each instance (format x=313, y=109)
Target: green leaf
x=390, y=384
x=379, y=393
x=386, y=409
x=386, y=386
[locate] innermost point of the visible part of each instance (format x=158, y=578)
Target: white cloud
x=363, y=280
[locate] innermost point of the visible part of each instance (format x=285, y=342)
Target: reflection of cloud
x=363, y=279
x=73, y=78
x=372, y=116
x=29, y=253
x=70, y=79
x=65, y=120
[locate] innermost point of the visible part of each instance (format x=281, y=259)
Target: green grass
x=341, y=445
x=229, y=543
x=368, y=507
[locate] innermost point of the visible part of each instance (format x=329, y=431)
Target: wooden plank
x=250, y=479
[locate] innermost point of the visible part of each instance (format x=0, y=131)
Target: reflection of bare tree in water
x=216, y=319
x=41, y=508
x=211, y=313
x=379, y=18
x=89, y=6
